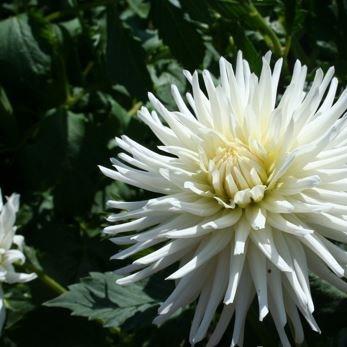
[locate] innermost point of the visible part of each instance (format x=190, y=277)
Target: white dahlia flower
x=253, y=197
x=9, y=255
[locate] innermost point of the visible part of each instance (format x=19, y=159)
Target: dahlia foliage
x=11, y=249
x=252, y=197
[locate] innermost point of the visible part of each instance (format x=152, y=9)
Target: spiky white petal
x=252, y=189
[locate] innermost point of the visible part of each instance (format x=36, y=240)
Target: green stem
x=286, y=52
x=72, y=100
x=47, y=280
x=288, y=46
x=266, y=29
x=88, y=68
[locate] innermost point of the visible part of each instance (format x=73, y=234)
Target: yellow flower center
x=237, y=175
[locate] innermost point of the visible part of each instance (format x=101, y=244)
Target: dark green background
x=72, y=76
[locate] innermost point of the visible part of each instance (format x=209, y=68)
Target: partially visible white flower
x=253, y=194
x=11, y=249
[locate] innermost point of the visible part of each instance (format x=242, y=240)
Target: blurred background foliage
x=72, y=76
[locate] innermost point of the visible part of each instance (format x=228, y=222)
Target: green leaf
x=294, y=17
x=18, y=303
x=18, y=45
x=164, y=74
x=333, y=298
x=140, y=7
x=230, y=9
x=198, y=11
x=98, y=297
x=330, y=310
x=8, y=123
x=125, y=57
x=183, y=39
x=58, y=140
x=27, y=57
x=67, y=147
x=5, y=105
x=246, y=46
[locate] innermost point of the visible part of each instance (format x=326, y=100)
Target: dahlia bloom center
x=237, y=176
